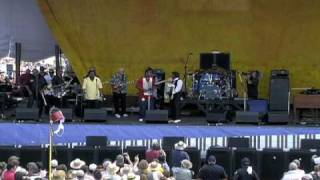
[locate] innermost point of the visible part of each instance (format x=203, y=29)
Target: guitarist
x=175, y=97
x=119, y=92
x=146, y=86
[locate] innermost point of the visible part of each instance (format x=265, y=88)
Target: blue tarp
x=35, y=134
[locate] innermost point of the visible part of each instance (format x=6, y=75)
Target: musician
x=92, y=88
x=119, y=92
x=175, y=99
x=49, y=93
x=38, y=84
x=253, y=78
x=25, y=86
x=146, y=87
x=58, y=86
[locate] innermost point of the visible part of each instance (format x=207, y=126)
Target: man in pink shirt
x=153, y=153
x=10, y=174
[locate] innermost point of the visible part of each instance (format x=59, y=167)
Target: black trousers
x=119, y=101
x=175, y=106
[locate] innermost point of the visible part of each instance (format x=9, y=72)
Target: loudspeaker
x=238, y=142
x=95, y=114
x=136, y=150
x=156, y=116
x=214, y=117
x=220, y=59
x=62, y=154
x=195, y=158
x=27, y=114
x=250, y=153
x=31, y=154
x=96, y=141
x=273, y=164
x=67, y=113
x=6, y=152
x=279, y=92
x=278, y=117
x=247, y=117
x=169, y=141
x=85, y=153
x=310, y=144
x=161, y=75
x=109, y=152
x=223, y=157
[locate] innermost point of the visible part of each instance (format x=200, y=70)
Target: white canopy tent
x=21, y=21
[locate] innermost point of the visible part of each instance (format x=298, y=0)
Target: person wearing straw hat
x=59, y=175
x=184, y=172
x=77, y=164
x=178, y=154
x=112, y=172
x=154, y=171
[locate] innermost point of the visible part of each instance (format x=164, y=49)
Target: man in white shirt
x=92, y=87
x=175, y=97
x=294, y=173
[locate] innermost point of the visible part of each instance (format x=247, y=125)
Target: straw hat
x=131, y=175
x=180, y=145
x=154, y=166
x=92, y=167
x=77, y=163
x=186, y=164
x=59, y=175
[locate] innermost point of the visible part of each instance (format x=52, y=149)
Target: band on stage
x=45, y=90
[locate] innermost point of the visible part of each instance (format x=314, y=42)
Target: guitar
x=116, y=87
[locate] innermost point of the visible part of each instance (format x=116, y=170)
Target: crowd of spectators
x=153, y=167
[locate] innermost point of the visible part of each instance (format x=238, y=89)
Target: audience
x=121, y=168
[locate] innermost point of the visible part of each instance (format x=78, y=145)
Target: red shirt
x=9, y=175
x=151, y=155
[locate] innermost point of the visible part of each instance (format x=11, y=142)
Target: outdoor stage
x=200, y=136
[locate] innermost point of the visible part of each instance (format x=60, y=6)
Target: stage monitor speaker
x=278, y=117
x=160, y=116
x=217, y=117
x=95, y=115
x=279, y=94
x=247, y=117
x=223, y=157
x=310, y=144
x=168, y=142
x=222, y=60
x=272, y=164
x=67, y=113
x=238, y=142
x=27, y=114
x=93, y=141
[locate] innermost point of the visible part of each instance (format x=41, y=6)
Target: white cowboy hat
x=180, y=145
x=54, y=163
x=77, y=163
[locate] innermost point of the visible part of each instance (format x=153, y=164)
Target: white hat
x=77, y=163
x=180, y=145
x=154, y=166
x=54, y=163
x=186, y=164
x=131, y=175
x=92, y=167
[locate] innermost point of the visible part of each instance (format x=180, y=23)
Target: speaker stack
x=220, y=59
x=279, y=96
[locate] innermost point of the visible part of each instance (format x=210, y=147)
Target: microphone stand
x=185, y=72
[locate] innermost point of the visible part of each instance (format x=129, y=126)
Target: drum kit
x=212, y=85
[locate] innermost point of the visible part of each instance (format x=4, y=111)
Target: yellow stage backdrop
x=134, y=34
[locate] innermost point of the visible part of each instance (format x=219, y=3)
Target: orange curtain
x=134, y=34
